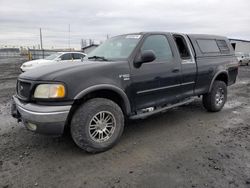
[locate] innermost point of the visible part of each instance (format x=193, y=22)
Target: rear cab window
x=182, y=46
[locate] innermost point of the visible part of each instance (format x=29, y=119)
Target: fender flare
x=113, y=88
x=215, y=76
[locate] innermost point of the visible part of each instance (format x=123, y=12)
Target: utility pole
x=41, y=41
x=69, y=36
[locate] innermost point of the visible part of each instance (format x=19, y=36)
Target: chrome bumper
x=39, y=118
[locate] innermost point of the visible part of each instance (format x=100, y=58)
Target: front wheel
x=97, y=125
x=215, y=100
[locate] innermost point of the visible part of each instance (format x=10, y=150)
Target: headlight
x=49, y=91
x=27, y=65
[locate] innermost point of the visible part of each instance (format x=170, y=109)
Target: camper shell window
x=208, y=46
x=223, y=46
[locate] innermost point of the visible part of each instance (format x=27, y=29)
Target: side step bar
x=146, y=114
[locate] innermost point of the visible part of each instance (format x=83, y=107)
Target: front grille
x=23, y=89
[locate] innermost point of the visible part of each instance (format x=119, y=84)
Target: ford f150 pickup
x=129, y=76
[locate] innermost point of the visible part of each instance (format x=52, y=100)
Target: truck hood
x=53, y=71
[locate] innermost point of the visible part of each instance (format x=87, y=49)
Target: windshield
x=52, y=56
x=119, y=47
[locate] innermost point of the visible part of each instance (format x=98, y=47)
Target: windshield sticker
x=133, y=36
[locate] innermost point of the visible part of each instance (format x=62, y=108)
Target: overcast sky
x=20, y=20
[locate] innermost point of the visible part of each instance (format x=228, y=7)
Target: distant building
x=240, y=45
x=89, y=48
x=9, y=52
x=40, y=54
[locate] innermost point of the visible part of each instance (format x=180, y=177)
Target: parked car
x=54, y=58
x=129, y=76
x=243, y=58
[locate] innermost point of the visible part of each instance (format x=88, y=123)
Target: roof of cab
x=70, y=52
x=204, y=36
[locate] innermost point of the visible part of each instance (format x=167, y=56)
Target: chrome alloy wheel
x=219, y=97
x=102, y=126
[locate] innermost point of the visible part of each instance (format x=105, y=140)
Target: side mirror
x=58, y=59
x=146, y=56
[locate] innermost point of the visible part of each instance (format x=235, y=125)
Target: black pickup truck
x=129, y=76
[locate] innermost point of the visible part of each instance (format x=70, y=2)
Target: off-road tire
x=81, y=121
x=209, y=99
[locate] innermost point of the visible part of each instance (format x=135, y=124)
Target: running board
x=146, y=114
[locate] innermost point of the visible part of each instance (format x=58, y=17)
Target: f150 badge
x=124, y=76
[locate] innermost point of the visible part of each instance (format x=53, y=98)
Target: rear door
x=188, y=65
x=158, y=82
x=77, y=57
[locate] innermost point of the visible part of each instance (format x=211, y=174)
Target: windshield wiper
x=98, y=57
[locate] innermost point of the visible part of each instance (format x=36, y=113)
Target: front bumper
x=39, y=118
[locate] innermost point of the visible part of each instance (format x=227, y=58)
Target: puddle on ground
x=235, y=112
x=242, y=82
x=232, y=104
x=233, y=122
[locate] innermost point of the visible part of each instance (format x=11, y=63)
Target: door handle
x=175, y=70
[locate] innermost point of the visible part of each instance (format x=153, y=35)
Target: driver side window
x=159, y=44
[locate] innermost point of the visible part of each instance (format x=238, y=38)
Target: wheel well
x=104, y=93
x=222, y=77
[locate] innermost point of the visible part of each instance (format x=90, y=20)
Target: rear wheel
x=215, y=100
x=97, y=125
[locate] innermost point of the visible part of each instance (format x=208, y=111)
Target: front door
x=156, y=83
x=66, y=57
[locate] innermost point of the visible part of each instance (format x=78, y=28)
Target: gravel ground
x=184, y=147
